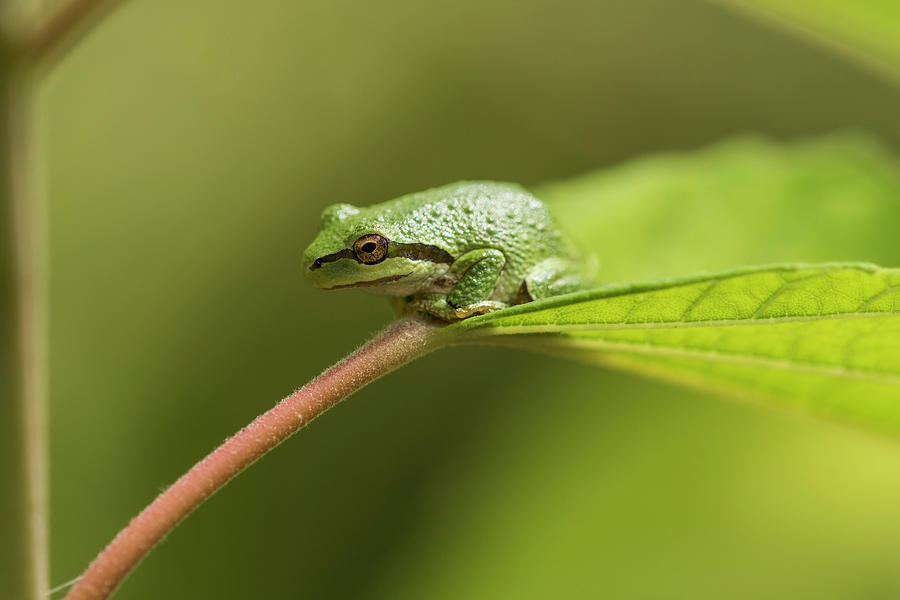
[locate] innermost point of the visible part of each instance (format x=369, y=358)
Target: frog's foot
x=553, y=277
x=438, y=306
x=478, y=308
x=435, y=305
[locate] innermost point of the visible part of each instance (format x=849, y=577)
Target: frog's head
x=359, y=249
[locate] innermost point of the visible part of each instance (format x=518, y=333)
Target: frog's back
x=467, y=216
x=481, y=214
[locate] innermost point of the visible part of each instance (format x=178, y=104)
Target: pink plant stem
x=401, y=342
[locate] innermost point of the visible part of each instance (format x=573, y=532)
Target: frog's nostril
x=316, y=264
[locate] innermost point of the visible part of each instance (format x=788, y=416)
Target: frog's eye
x=371, y=248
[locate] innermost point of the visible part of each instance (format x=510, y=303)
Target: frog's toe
x=478, y=308
x=552, y=277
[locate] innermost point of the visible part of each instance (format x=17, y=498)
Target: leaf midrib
x=614, y=290
x=500, y=329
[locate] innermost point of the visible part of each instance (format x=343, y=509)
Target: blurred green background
x=192, y=146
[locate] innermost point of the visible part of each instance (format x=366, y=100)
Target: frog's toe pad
x=478, y=308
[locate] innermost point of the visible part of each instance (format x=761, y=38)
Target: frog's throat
x=374, y=282
x=395, y=250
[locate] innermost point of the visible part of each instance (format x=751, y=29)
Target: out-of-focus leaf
x=864, y=28
x=745, y=201
x=823, y=339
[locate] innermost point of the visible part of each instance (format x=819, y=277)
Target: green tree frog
x=453, y=252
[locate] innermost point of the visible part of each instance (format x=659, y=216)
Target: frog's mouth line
x=378, y=281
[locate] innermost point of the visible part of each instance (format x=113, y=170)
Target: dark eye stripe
x=419, y=252
x=345, y=253
x=395, y=250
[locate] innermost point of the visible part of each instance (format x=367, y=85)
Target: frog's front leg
x=478, y=271
x=476, y=274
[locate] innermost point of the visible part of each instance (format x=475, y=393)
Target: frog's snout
x=312, y=273
x=310, y=261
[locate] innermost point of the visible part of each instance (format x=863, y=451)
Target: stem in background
x=24, y=551
x=24, y=554
x=23, y=463
x=402, y=342
x=64, y=27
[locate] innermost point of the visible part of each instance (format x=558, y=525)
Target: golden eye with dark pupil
x=371, y=248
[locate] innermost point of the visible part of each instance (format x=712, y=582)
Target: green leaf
x=822, y=339
x=746, y=201
x=743, y=201
x=864, y=29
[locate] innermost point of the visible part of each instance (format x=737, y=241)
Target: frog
x=451, y=252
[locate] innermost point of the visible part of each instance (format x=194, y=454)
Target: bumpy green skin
x=455, y=251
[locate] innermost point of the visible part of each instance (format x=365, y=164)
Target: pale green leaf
x=823, y=339
x=746, y=201
x=865, y=29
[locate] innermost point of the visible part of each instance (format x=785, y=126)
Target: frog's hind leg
x=479, y=272
x=552, y=277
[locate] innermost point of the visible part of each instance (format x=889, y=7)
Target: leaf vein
x=700, y=298
x=788, y=285
x=877, y=297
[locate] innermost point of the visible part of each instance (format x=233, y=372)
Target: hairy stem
x=23, y=471
x=400, y=343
